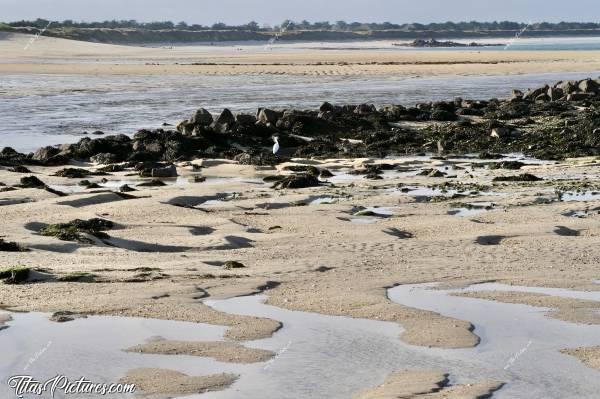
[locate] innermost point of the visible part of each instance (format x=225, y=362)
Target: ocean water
x=38, y=110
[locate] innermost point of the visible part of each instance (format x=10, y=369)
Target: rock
x=126, y=189
x=326, y=107
x=32, y=182
x=436, y=173
x=555, y=94
x=152, y=183
x=297, y=181
x=169, y=171
x=226, y=118
x=516, y=95
x=266, y=115
x=325, y=173
x=245, y=119
x=98, y=133
x=45, y=153
x=19, y=169
x=526, y=177
x=202, y=118
x=588, y=86
x=511, y=165
x=64, y=317
x=74, y=173
x=533, y=94
x=6, y=246
x=229, y=265
x=186, y=127
x=365, y=109
x=104, y=158
x=567, y=87
x=580, y=96
x=373, y=176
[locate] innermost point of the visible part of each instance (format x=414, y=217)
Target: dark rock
x=297, y=181
x=104, y=158
x=169, y=171
x=325, y=173
x=19, y=169
x=245, y=119
x=74, y=173
x=202, y=117
x=266, y=115
x=45, y=153
x=73, y=230
x=365, y=109
x=6, y=246
x=126, y=189
x=32, y=182
x=511, y=165
x=226, y=118
x=588, y=86
x=580, y=96
x=526, y=177
x=229, y=265
x=152, y=183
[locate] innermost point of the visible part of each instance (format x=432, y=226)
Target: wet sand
x=309, y=258
x=589, y=356
x=163, y=384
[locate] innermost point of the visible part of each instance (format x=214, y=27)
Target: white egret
x=276, y=147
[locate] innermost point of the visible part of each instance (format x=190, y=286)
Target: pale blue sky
x=275, y=11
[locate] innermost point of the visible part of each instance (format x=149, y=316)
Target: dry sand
x=163, y=384
x=60, y=56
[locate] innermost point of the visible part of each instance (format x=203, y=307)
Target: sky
x=207, y=12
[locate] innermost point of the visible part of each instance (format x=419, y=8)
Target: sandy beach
x=59, y=56
x=220, y=230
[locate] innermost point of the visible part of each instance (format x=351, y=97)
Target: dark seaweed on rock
x=73, y=230
x=526, y=177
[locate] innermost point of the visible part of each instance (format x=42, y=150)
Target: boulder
x=555, y=93
x=533, y=94
x=588, y=86
x=579, y=96
x=202, y=117
x=226, y=118
x=365, y=109
x=516, y=95
x=45, y=153
x=169, y=171
x=186, y=127
x=104, y=158
x=245, y=119
x=297, y=181
x=326, y=107
x=266, y=115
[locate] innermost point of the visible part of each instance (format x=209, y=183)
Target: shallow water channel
x=320, y=356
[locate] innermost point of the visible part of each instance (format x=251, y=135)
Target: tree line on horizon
x=289, y=25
